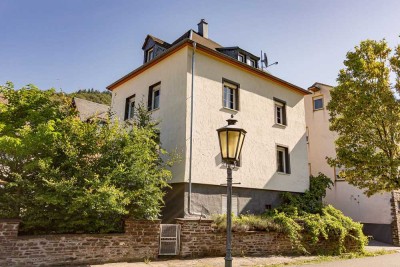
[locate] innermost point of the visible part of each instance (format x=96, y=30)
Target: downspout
x=191, y=136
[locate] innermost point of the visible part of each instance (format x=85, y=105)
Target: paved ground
x=392, y=260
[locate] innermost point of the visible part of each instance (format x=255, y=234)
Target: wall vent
x=169, y=239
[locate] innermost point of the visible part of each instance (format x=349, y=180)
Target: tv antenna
x=264, y=60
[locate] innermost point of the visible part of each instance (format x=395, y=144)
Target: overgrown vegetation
x=102, y=97
x=62, y=175
x=304, y=224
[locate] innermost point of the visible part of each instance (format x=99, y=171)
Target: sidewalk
x=265, y=261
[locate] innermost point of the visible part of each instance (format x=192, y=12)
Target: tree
x=64, y=175
x=366, y=116
x=101, y=97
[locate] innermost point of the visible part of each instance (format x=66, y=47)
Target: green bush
x=62, y=175
x=304, y=230
x=304, y=220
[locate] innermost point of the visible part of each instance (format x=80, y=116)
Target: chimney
x=203, y=28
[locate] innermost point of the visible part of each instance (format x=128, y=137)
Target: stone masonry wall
x=140, y=240
x=199, y=238
x=395, y=203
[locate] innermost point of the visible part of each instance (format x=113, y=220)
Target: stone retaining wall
x=140, y=240
x=199, y=238
x=395, y=203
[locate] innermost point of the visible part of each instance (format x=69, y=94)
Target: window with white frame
x=241, y=58
x=282, y=159
x=154, y=96
x=252, y=63
x=339, y=175
x=231, y=96
x=150, y=54
x=318, y=103
x=280, y=111
x=130, y=107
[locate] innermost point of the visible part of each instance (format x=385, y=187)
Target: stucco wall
x=171, y=72
x=256, y=116
x=349, y=199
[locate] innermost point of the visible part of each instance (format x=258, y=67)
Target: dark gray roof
x=88, y=109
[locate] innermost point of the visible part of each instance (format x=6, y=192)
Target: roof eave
x=220, y=55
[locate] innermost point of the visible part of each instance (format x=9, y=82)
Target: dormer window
x=241, y=58
x=252, y=63
x=150, y=54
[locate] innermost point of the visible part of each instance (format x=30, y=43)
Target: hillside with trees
x=101, y=97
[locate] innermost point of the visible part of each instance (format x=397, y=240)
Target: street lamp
x=231, y=140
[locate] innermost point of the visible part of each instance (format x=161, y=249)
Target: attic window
x=150, y=54
x=252, y=63
x=241, y=58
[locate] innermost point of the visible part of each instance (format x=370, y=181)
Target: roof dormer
x=153, y=47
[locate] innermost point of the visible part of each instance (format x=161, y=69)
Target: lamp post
x=231, y=140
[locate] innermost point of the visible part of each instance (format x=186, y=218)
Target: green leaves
x=64, y=175
x=366, y=116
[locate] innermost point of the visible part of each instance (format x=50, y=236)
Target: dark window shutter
x=284, y=115
x=237, y=98
x=126, y=109
x=287, y=157
x=150, y=101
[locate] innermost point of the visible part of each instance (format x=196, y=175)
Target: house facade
x=193, y=85
x=379, y=213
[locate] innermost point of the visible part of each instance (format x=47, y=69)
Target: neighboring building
x=3, y=100
x=374, y=212
x=88, y=110
x=226, y=81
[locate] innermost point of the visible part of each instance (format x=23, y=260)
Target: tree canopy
x=60, y=174
x=366, y=116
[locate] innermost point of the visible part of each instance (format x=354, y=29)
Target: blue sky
x=78, y=44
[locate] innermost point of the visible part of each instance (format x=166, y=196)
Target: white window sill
x=283, y=173
x=280, y=125
x=230, y=109
x=318, y=109
x=154, y=109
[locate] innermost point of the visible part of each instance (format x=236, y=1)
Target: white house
x=378, y=213
x=193, y=85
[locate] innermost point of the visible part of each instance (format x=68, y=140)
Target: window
x=154, y=96
x=339, y=176
x=130, y=107
x=241, y=58
x=231, y=95
x=280, y=111
x=150, y=54
x=318, y=103
x=234, y=205
x=252, y=63
x=282, y=159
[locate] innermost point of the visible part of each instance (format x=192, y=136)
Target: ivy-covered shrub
x=305, y=230
x=305, y=220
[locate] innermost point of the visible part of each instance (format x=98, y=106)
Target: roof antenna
x=265, y=61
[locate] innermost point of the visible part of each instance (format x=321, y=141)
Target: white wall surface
x=171, y=72
x=343, y=196
x=256, y=116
